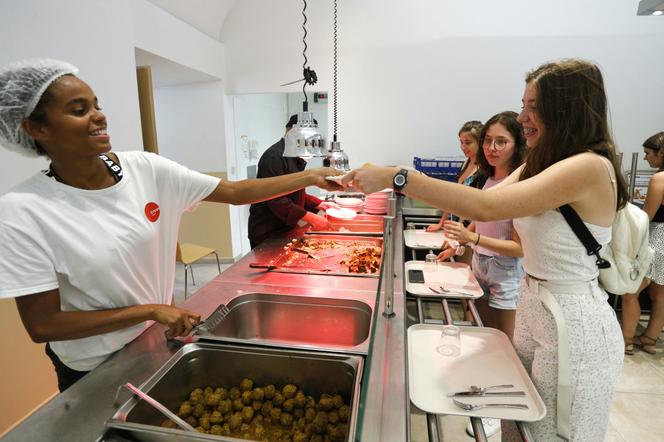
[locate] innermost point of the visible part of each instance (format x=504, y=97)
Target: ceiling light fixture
x=657, y=12
x=304, y=140
x=337, y=158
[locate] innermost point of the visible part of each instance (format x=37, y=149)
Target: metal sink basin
x=292, y=321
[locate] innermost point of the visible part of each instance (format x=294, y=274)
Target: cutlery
x=480, y=390
x=473, y=407
x=496, y=393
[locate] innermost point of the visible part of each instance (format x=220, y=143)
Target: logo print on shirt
x=152, y=211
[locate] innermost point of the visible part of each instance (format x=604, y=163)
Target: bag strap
x=585, y=236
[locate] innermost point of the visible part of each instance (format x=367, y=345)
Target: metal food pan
x=362, y=225
x=199, y=365
x=280, y=320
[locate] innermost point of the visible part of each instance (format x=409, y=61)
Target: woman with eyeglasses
x=566, y=334
x=497, y=249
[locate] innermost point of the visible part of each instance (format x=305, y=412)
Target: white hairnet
x=22, y=85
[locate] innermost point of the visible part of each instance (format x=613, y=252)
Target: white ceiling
x=205, y=15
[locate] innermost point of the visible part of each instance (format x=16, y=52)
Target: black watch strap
x=399, y=180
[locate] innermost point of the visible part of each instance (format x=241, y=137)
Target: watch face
x=399, y=180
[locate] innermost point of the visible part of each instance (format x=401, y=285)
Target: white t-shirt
x=102, y=249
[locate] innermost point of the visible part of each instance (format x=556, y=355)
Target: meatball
x=225, y=406
x=235, y=421
x=311, y=402
x=338, y=401
x=185, y=409
x=257, y=405
x=204, y=422
x=298, y=413
x=238, y=404
x=316, y=438
x=300, y=399
x=288, y=405
x=247, y=414
x=333, y=417
x=259, y=431
x=286, y=420
x=335, y=434
x=196, y=396
x=234, y=393
x=300, y=437
x=246, y=397
x=212, y=400
x=265, y=409
x=275, y=414
x=258, y=394
x=199, y=409
x=216, y=418
x=258, y=419
x=191, y=420
x=168, y=424
x=269, y=391
x=319, y=425
x=216, y=430
x=344, y=412
x=289, y=391
x=325, y=403
x=222, y=392
x=246, y=384
x=278, y=399
x=208, y=390
x=309, y=415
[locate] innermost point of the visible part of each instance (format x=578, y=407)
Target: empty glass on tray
x=431, y=262
x=449, y=343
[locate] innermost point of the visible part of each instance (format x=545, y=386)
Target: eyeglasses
x=498, y=144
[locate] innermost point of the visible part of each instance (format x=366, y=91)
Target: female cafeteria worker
x=88, y=246
x=566, y=333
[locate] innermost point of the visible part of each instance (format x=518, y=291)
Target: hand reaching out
x=179, y=321
x=456, y=231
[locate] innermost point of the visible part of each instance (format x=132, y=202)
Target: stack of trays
x=376, y=203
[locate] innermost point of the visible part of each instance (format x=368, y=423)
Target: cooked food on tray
x=265, y=413
x=356, y=256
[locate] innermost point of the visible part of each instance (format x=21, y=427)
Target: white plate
x=348, y=201
x=487, y=358
x=341, y=214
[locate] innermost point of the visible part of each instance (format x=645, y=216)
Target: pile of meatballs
x=265, y=413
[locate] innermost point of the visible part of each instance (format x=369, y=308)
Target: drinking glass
x=449, y=343
x=431, y=262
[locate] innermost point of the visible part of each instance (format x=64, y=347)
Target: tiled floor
x=636, y=414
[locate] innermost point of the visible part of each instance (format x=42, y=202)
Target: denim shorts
x=500, y=279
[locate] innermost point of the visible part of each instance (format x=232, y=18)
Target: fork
x=473, y=407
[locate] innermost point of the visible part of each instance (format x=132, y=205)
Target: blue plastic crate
x=442, y=168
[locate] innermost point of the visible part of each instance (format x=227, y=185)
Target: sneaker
x=491, y=427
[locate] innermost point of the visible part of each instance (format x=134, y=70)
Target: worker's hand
x=324, y=205
x=180, y=322
x=369, y=178
x=317, y=222
x=320, y=181
x=455, y=230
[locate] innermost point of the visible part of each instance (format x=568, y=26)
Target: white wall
x=410, y=73
x=94, y=35
x=190, y=127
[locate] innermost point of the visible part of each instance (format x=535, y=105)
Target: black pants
x=66, y=376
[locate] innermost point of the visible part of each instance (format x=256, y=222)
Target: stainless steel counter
x=79, y=413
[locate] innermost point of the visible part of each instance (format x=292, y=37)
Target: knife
x=491, y=393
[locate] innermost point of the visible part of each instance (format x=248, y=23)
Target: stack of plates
x=376, y=203
x=340, y=214
x=349, y=203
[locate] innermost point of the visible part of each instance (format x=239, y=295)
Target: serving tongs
x=156, y=404
x=205, y=327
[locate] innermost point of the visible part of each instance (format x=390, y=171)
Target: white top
x=102, y=249
x=551, y=250
x=498, y=229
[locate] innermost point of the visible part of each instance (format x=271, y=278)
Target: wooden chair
x=188, y=254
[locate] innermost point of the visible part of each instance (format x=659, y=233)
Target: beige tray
x=453, y=276
x=419, y=239
x=487, y=358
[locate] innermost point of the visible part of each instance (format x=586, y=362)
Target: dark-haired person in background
x=281, y=214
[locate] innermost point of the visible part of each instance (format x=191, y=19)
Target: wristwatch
x=399, y=180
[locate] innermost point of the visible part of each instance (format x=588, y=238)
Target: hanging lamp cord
x=335, y=71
